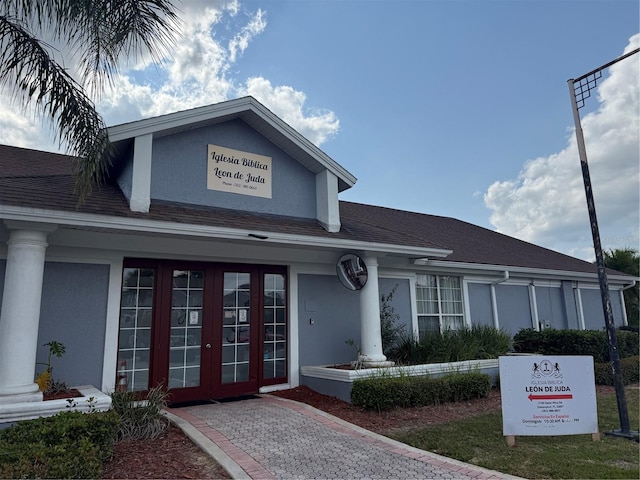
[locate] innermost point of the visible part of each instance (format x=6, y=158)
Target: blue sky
x=454, y=108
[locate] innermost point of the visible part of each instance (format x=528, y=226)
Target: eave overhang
x=186, y=230
x=478, y=268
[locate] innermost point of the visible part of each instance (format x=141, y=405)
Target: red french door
x=218, y=330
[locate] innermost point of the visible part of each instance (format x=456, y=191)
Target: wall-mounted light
x=420, y=261
x=260, y=237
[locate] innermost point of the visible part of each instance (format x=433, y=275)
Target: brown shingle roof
x=30, y=178
x=33, y=179
x=470, y=243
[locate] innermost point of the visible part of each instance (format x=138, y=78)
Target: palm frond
x=29, y=72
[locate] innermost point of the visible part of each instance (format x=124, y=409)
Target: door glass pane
x=274, y=348
x=186, y=328
x=134, y=339
x=236, y=327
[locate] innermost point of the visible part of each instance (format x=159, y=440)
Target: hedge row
x=630, y=367
x=67, y=445
x=575, y=342
x=385, y=392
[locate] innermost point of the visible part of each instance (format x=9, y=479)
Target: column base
x=375, y=361
x=21, y=398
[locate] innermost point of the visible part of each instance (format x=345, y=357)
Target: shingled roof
x=42, y=180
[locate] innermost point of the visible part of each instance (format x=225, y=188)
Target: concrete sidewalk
x=272, y=438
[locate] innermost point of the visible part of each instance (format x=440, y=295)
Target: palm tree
x=626, y=260
x=101, y=33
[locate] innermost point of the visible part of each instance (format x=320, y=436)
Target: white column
x=20, y=314
x=370, y=334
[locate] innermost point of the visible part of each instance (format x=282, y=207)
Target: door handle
x=208, y=346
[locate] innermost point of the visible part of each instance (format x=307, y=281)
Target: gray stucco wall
x=550, y=305
x=179, y=172
x=73, y=310
x=125, y=179
x=570, y=308
x=336, y=317
x=592, y=308
x=3, y=263
x=479, y=307
x=514, y=312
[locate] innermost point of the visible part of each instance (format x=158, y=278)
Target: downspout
x=533, y=305
x=625, y=319
x=579, y=308
x=494, y=301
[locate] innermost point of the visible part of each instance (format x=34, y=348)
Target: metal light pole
x=580, y=89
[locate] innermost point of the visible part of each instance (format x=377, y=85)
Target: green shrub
x=37, y=460
x=465, y=386
x=630, y=367
x=390, y=330
x=67, y=445
x=140, y=419
x=475, y=343
x=575, y=342
x=386, y=392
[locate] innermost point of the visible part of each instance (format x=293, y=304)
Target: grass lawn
x=479, y=440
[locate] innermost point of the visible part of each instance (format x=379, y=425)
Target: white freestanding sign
x=548, y=395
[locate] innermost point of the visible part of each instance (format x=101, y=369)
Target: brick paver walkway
x=270, y=437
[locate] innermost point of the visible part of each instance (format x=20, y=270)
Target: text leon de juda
x=245, y=162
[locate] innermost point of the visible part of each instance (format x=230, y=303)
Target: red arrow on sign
x=533, y=397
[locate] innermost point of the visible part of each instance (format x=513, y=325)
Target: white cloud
x=546, y=203
x=21, y=129
x=214, y=35
x=288, y=104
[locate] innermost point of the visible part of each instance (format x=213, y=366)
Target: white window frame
x=442, y=326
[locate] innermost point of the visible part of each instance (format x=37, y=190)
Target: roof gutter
x=631, y=285
x=528, y=271
x=503, y=279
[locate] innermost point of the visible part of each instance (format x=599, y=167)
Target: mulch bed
x=173, y=455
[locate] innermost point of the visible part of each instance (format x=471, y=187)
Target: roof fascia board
x=177, y=119
x=186, y=229
x=285, y=129
x=565, y=274
x=229, y=108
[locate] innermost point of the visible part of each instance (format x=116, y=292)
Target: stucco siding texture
x=514, y=311
x=179, y=172
x=328, y=316
x=73, y=311
x=480, y=308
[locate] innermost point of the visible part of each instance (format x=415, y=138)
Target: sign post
x=548, y=395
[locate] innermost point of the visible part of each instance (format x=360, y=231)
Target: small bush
x=390, y=330
x=575, y=342
x=67, y=445
x=475, y=343
x=630, y=367
x=465, y=386
x=140, y=419
x=37, y=460
x=386, y=392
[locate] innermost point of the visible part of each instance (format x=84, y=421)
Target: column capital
x=31, y=226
